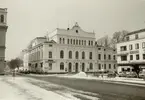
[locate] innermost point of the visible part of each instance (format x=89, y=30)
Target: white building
x=3, y=29
x=67, y=50
x=131, y=52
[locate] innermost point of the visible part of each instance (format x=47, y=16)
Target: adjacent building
x=3, y=29
x=131, y=52
x=67, y=51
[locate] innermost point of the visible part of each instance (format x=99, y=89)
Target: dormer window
x=77, y=31
x=2, y=18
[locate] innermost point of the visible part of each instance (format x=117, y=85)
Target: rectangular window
x=131, y=57
x=130, y=47
x=50, y=66
x=143, y=56
x=123, y=48
x=99, y=66
x=114, y=66
x=143, y=45
x=50, y=54
x=124, y=58
x=104, y=57
x=137, y=46
x=99, y=56
x=114, y=57
x=137, y=57
x=90, y=55
x=109, y=66
x=104, y=66
x=50, y=45
x=109, y=57
x=127, y=38
x=136, y=36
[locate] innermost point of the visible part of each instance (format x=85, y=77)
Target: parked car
x=111, y=74
x=122, y=74
x=131, y=75
x=142, y=74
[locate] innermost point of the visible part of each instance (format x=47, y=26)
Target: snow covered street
x=22, y=88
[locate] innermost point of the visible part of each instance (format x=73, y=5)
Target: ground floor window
x=50, y=66
x=91, y=66
x=61, y=66
x=144, y=56
x=99, y=65
x=109, y=66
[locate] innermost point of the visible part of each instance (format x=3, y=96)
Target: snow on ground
x=20, y=89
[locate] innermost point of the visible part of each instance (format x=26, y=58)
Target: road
x=100, y=89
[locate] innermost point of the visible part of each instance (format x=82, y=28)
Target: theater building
x=131, y=52
x=63, y=51
x=3, y=29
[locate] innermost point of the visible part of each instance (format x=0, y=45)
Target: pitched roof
x=137, y=31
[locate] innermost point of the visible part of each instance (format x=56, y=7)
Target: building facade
x=66, y=50
x=131, y=52
x=3, y=29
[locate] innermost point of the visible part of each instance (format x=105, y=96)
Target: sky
x=28, y=19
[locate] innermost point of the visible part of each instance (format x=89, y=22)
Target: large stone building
x=131, y=52
x=68, y=50
x=3, y=29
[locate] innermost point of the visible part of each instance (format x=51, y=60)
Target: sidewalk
x=18, y=89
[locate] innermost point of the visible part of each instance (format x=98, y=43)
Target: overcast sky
x=28, y=19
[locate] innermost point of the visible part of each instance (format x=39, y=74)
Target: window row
x=136, y=37
x=137, y=57
x=75, y=42
x=76, y=55
x=109, y=57
x=124, y=48
x=105, y=67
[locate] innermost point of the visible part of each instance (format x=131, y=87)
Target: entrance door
x=69, y=67
x=76, y=67
x=83, y=67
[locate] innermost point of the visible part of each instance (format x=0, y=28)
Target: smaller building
x=131, y=52
x=106, y=58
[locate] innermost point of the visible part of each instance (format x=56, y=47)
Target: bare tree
x=118, y=37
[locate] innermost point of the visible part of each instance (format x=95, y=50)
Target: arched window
x=91, y=66
x=63, y=41
x=76, y=42
x=61, y=54
x=90, y=56
x=70, y=54
x=61, y=66
x=79, y=42
x=2, y=18
x=89, y=42
x=71, y=41
x=50, y=54
x=67, y=41
x=83, y=67
x=59, y=40
x=77, y=54
x=83, y=55
x=82, y=42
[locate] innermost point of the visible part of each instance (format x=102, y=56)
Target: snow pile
x=80, y=74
